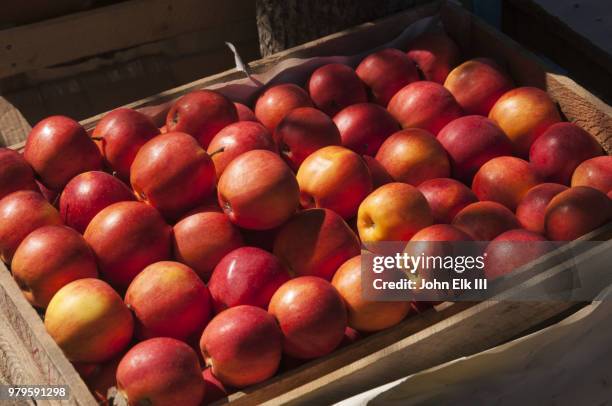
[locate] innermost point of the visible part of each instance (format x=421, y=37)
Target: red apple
x=88, y=193
x=21, y=213
x=425, y=105
x=435, y=54
x=524, y=114
x=532, y=208
x=334, y=178
x=15, y=173
x=363, y=127
x=89, y=321
x=126, y=237
x=58, y=148
x=446, y=197
x=385, y=72
x=311, y=315
x=161, y=371
x=201, y=114
x=477, y=84
x=335, y=86
x=575, y=212
x=505, y=180
x=413, y=156
x=245, y=113
x=440, y=233
x=258, y=190
x=49, y=258
x=560, y=149
x=511, y=250
x=366, y=315
x=246, y=276
x=123, y=132
x=276, y=101
x=393, y=212
x=202, y=239
x=470, y=142
x=242, y=345
x=594, y=172
x=303, y=131
x=484, y=221
x=315, y=242
x=173, y=186
x=168, y=299
x=236, y=139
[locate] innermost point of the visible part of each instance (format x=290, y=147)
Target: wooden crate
x=451, y=330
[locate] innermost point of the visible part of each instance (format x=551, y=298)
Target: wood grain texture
x=118, y=26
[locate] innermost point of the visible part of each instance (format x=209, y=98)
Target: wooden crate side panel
x=29, y=354
x=118, y=26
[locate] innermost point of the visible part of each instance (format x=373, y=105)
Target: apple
x=15, y=173
x=21, y=213
x=123, y=131
x=363, y=127
x=334, y=178
x=242, y=345
x=168, y=299
x=385, y=72
x=203, y=238
x=173, y=186
x=303, y=131
x=532, y=207
x=524, y=114
x=393, y=212
x=201, y=114
x=126, y=237
x=58, y=148
x=595, y=172
x=246, y=276
x=160, y=371
x=505, y=180
x=560, y=149
x=440, y=233
x=245, y=113
x=380, y=176
x=315, y=242
x=258, y=191
x=89, y=321
x=483, y=221
x=49, y=258
x=278, y=100
x=576, y=212
x=446, y=197
x=426, y=105
x=236, y=139
x=88, y=193
x=477, y=84
x=311, y=315
x=470, y=142
x=413, y=156
x=335, y=86
x=511, y=250
x=365, y=315
x=435, y=54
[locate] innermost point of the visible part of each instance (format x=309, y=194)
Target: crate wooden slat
x=435, y=336
x=109, y=28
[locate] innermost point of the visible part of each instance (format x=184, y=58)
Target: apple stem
x=217, y=152
x=97, y=138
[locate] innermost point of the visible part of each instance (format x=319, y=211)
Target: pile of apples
x=230, y=238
